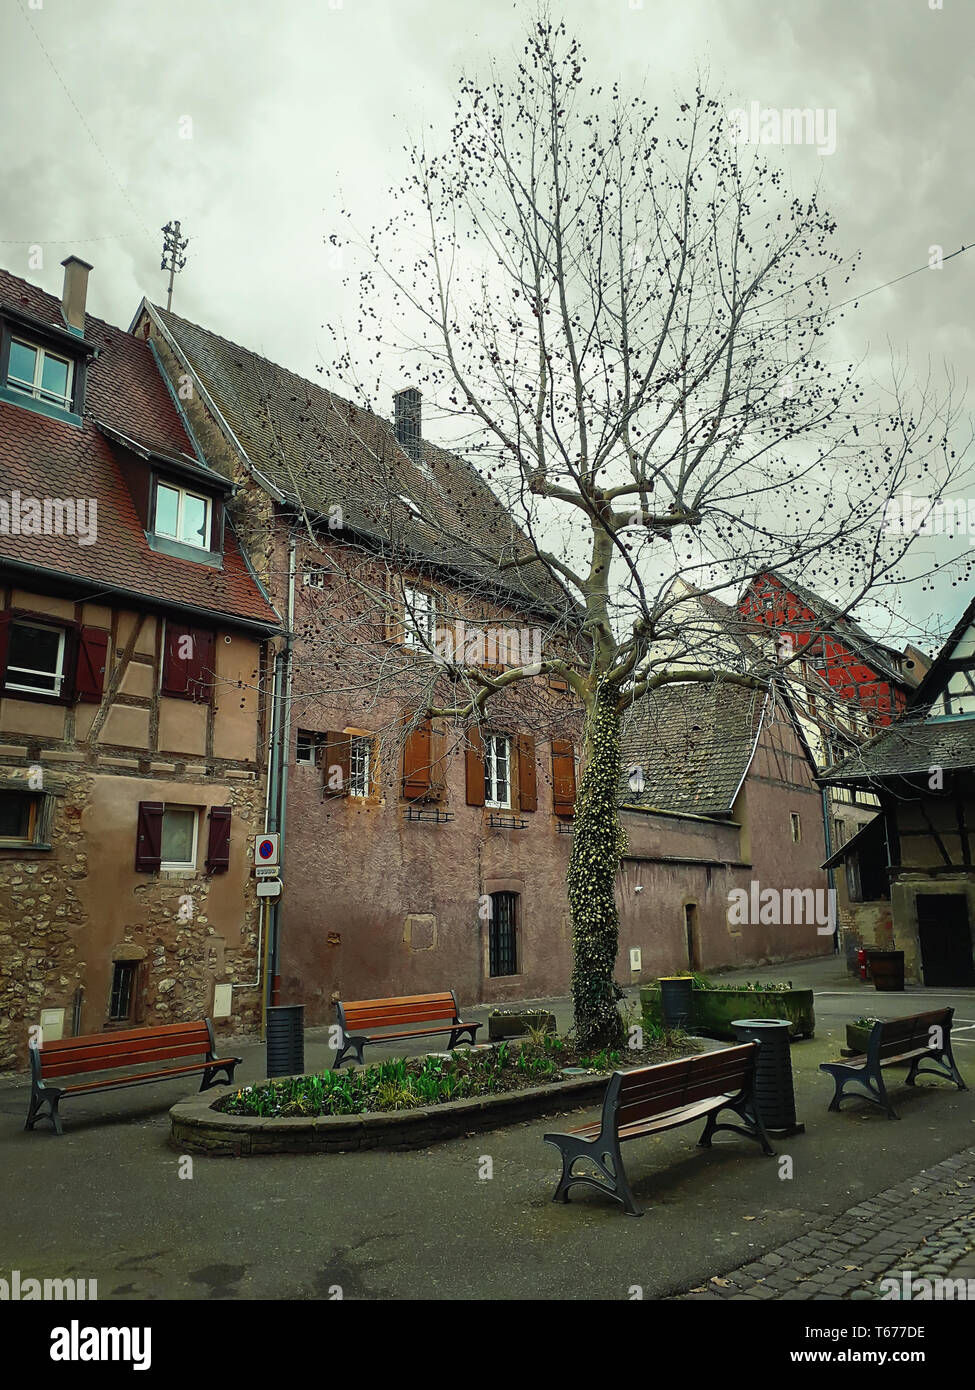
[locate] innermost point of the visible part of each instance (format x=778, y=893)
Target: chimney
x=75, y=292
x=407, y=420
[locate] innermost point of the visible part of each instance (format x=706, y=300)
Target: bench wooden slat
x=104, y=1058
x=115, y=1083
x=121, y=1035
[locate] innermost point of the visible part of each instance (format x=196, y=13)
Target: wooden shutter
x=148, y=845
x=199, y=683
x=218, y=840
x=527, y=783
x=334, y=758
x=140, y=988
x=417, y=762
x=91, y=665
x=474, y=767
x=563, y=778
x=188, y=676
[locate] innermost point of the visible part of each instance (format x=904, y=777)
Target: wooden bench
x=917, y=1039
x=652, y=1099
x=114, y=1052
x=410, y=1011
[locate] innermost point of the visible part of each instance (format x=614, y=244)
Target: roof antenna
x=173, y=259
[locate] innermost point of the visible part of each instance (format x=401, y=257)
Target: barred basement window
x=123, y=990
x=503, y=935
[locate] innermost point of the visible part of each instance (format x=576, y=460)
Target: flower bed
x=406, y=1083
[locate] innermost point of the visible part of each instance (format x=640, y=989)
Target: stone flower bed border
x=198, y=1128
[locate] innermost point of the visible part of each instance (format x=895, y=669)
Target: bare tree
x=625, y=320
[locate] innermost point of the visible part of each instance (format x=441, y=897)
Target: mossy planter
x=714, y=1010
x=516, y=1025
x=857, y=1037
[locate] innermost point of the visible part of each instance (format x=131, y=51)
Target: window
x=314, y=577
x=360, y=765
x=839, y=833
x=188, y=662
x=19, y=814
x=182, y=516
x=306, y=747
x=421, y=619
x=795, y=825
x=497, y=774
x=123, y=990
x=40, y=374
x=503, y=934
x=178, y=841
x=35, y=658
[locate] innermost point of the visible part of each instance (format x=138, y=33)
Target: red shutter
x=563, y=778
x=218, y=840
x=188, y=662
x=92, y=664
x=4, y=641
x=416, y=763
x=527, y=786
x=175, y=665
x=148, y=845
x=199, y=683
x=335, y=764
x=474, y=767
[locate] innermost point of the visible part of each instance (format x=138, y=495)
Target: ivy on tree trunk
x=597, y=846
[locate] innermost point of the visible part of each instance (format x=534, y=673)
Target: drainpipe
x=279, y=800
x=830, y=874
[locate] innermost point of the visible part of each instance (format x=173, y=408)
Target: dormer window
x=182, y=516
x=39, y=373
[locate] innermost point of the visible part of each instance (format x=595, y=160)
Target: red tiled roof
x=42, y=457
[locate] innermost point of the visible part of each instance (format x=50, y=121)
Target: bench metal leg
x=942, y=1064
x=871, y=1083
x=456, y=1036
x=753, y=1126
x=351, y=1044
x=38, y=1100
x=210, y=1075
x=605, y=1157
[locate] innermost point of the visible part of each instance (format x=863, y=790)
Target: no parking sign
x=266, y=849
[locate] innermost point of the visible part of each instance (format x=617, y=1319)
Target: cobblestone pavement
x=925, y=1225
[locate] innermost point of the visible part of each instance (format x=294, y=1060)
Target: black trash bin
x=286, y=1040
x=676, y=1000
x=774, y=1092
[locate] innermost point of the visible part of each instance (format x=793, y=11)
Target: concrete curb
x=196, y=1127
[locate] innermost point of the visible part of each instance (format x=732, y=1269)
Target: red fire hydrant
x=862, y=963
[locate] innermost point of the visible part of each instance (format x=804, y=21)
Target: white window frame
x=314, y=744
x=36, y=390
x=182, y=493
x=491, y=787
x=360, y=769
x=57, y=673
x=314, y=577
x=420, y=608
x=178, y=866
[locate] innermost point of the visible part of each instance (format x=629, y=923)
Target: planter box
x=517, y=1025
x=857, y=1038
x=714, y=1010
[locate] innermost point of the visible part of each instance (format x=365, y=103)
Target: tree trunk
x=597, y=844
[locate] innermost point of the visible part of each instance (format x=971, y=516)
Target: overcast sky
x=255, y=122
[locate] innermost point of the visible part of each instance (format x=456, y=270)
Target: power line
x=78, y=112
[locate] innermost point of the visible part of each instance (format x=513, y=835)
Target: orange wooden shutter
x=474, y=767
x=335, y=764
x=527, y=787
x=417, y=758
x=563, y=778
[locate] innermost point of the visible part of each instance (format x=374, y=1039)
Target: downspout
x=830, y=872
x=282, y=713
